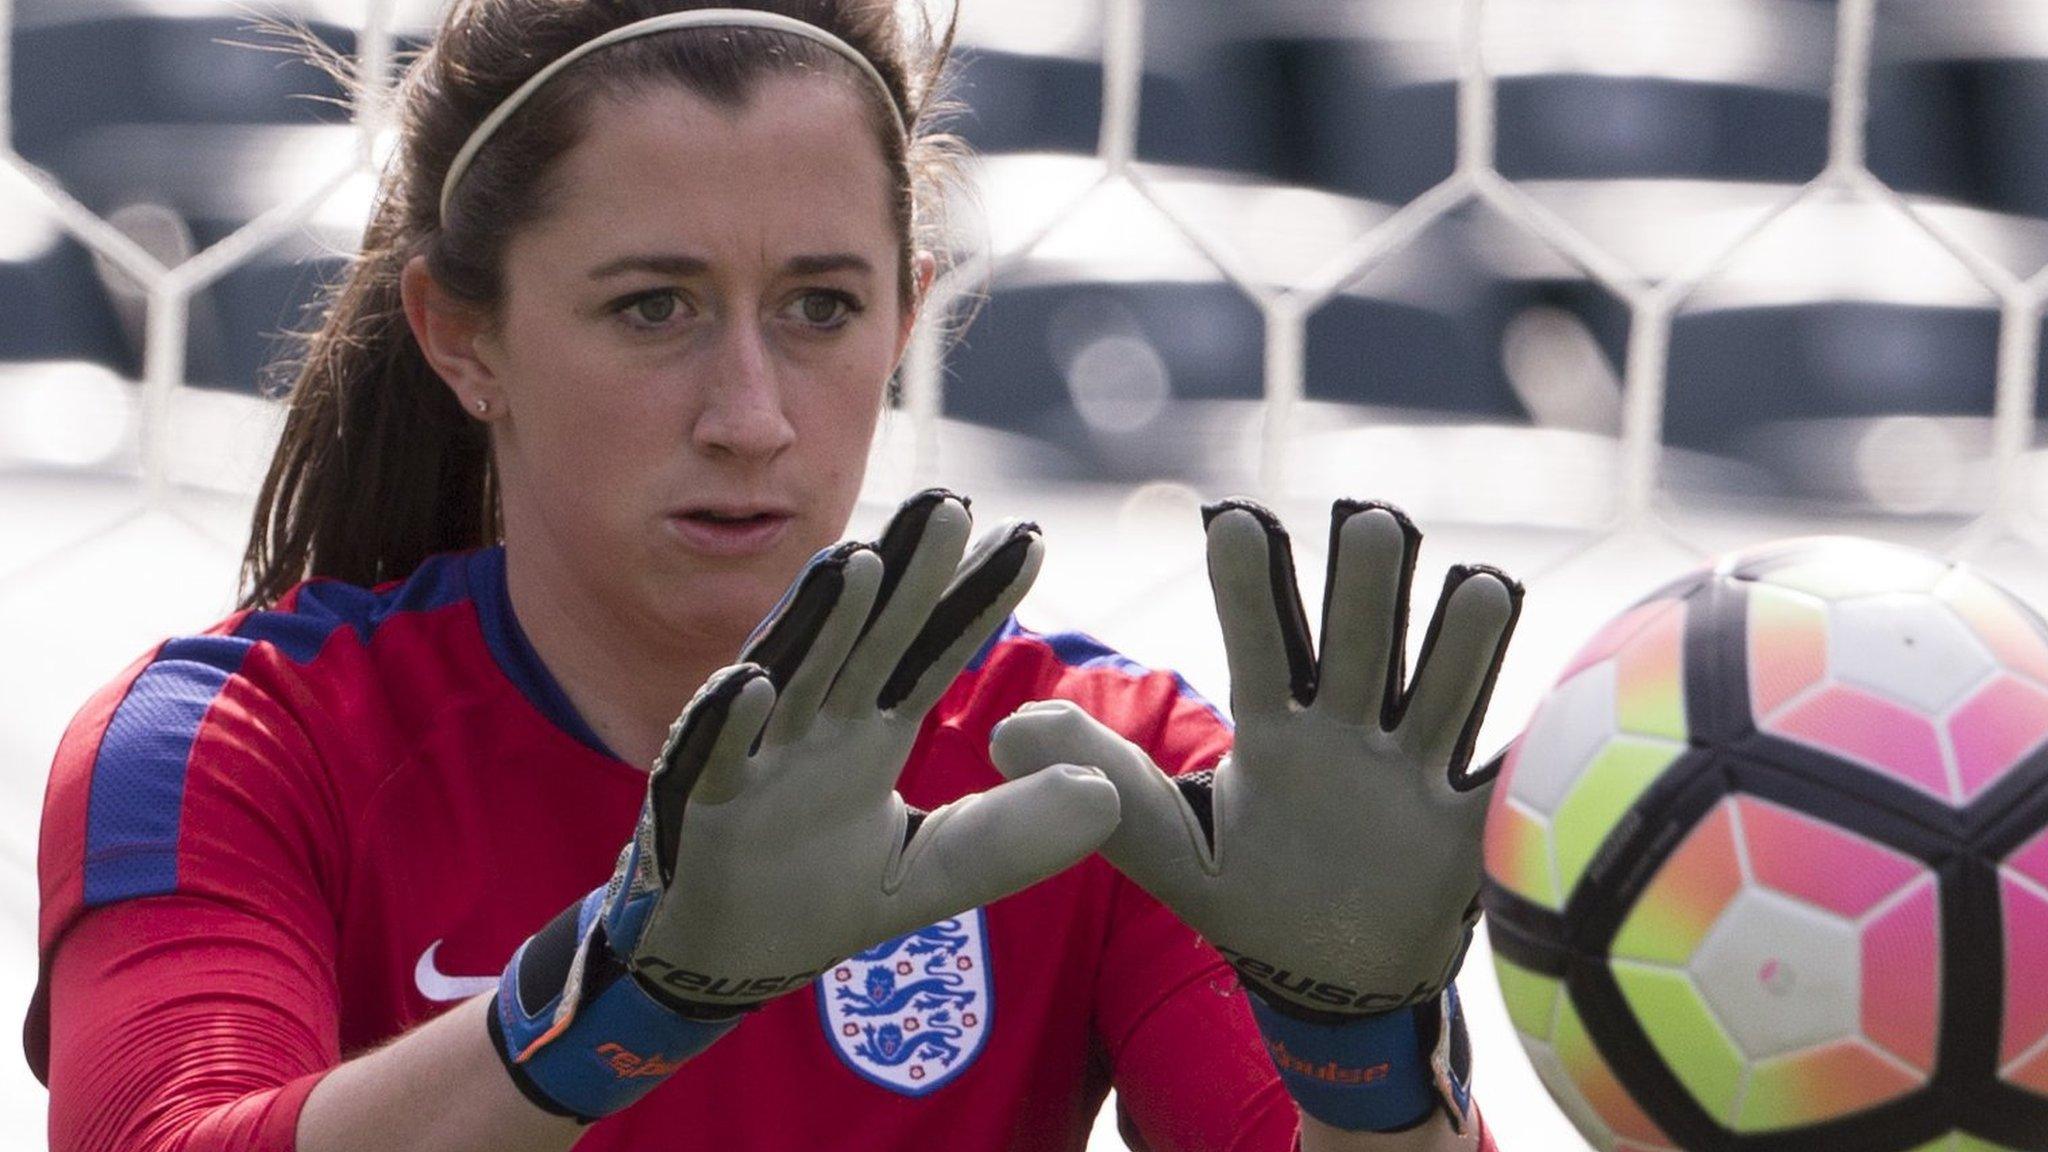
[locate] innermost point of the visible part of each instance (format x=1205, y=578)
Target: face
x=692, y=351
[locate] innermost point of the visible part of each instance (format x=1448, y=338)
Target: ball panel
x=1821, y=1084
x=2025, y=908
x=1901, y=1010
x=1618, y=632
x=1908, y=648
x=2030, y=860
x=2006, y=628
x=1551, y=1070
x=1779, y=975
x=2029, y=1073
x=1788, y=646
x=1565, y=735
x=1518, y=853
x=1843, y=568
x=1531, y=998
x=1651, y=680
x=1995, y=729
x=1618, y=776
x=1878, y=734
x=1685, y=1034
x=1962, y=1142
x=1685, y=897
x=1820, y=863
x=1594, y=1082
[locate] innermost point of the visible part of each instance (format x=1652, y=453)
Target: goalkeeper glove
x=772, y=842
x=1334, y=856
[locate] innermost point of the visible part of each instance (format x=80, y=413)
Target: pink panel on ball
x=1876, y=733
x=2001, y=624
x=2031, y=860
x=1995, y=728
x=1518, y=854
x=1618, y=632
x=1824, y=1083
x=1902, y=978
x=1821, y=863
x=2026, y=994
x=1788, y=646
x=1687, y=895
x=2032, y=1075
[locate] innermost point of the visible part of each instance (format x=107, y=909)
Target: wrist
x=1387, y=1072
x=578, y=1034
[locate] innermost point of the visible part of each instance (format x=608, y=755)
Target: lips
x=730, y=530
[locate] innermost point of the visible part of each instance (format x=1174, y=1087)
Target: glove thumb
x=983, y=847
x=1159, y=842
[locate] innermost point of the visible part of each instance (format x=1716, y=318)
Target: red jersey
x=272, y=846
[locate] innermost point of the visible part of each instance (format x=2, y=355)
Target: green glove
x=1334, y=855
x=773, y=831
x=772, y=842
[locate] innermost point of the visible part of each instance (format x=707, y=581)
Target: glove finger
x=1160, y=842
x=1258, y=602
x=987, y=588
x=1461, y=656
x=705, y=756
x=981, y=848
x=787, y=634
x=1365, y=612
x=919, y=551
x=846, y=594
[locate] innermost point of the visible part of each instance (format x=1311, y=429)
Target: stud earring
x=483, y=406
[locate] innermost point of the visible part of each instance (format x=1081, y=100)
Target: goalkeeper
x=373, y=863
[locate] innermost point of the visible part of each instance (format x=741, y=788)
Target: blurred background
x=1594, y=288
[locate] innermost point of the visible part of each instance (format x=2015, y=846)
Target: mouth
x=730, y=530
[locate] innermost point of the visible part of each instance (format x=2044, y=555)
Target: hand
x=1334, y=856
x=772, y=842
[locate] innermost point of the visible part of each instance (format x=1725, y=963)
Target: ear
x=454, y=337
x=924, y=268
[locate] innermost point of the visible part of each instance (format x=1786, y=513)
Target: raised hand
x=774, y=834
x=1334, y=856
x=772, y=842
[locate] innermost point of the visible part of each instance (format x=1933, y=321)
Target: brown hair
x=379, y=467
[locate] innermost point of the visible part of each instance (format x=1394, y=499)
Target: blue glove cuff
x=1373, y=1074
x=578, y=1034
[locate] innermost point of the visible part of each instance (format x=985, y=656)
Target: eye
x=650, y=309
x=826, y=310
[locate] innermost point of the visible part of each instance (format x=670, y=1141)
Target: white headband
x=667, y=22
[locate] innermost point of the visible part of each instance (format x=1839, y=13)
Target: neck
x=627, y=677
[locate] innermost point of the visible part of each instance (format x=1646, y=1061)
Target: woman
x=322, y=877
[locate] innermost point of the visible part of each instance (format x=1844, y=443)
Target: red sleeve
x=183, y=1026
x=190, y=853
x=1190, y=1069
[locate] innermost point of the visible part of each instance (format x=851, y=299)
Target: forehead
x=796, y=167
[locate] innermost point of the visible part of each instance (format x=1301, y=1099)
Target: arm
x=1333, y=855
x=181, y=1023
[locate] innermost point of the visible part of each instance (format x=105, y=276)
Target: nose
x=743, y=413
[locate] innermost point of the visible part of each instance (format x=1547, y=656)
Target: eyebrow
x=679, y=266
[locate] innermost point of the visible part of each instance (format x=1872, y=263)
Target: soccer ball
x=1768, y=869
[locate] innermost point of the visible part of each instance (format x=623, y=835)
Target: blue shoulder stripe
x=137, y=795
x=325, y=607
x=138, y=776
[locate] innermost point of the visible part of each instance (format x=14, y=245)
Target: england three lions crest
x=912, y=1013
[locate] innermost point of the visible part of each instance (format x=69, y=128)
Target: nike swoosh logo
x=435, y=984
